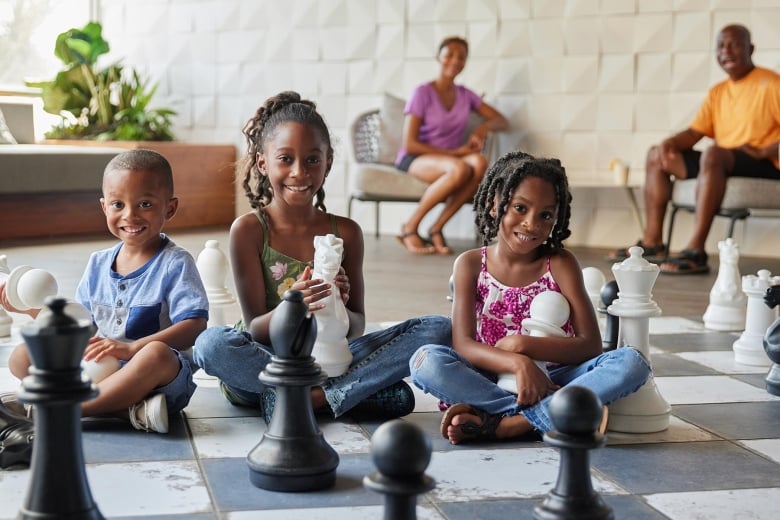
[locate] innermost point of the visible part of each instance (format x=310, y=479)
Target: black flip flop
x=689, y=261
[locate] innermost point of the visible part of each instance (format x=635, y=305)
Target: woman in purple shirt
x=433, y=148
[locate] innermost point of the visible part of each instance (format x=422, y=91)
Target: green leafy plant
x=109, y=103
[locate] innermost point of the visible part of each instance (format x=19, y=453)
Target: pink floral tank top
x=501, y=309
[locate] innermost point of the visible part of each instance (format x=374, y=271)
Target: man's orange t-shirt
x=740, y=112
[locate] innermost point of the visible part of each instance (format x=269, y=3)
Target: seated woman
x=433, y=148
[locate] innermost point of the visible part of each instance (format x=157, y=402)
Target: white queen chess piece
x=549, y=311
x=331, y=349
x=749, y=348
x=214, y=269
x=726, y=310
x=644, y=411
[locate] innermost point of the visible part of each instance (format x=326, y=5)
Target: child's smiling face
x=530, y=214
x=296, y=161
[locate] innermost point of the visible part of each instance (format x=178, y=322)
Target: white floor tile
x=737, y=504
x=334, y=513
x=678, y=431
x=722, y=361
x=673, y=325
x=467, y=475
x=226, y=437
x=709, y=389
x=768, y=447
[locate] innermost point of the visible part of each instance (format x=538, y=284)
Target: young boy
x=145, y=296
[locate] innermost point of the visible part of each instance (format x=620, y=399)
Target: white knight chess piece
x=331, y=349
x=549, y=311
x=727, y=307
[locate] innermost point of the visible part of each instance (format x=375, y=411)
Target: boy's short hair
x=146, y=160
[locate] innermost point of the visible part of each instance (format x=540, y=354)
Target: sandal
x=440, y=245
x=690, y=261
x=415, y=249
x=471, y=431
x=654, y=254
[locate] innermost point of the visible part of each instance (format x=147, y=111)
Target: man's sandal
x=689, y=261
x=653, y=254
x=425, y=249
x=471, y=431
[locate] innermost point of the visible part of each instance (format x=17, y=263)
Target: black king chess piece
x=293, y=455
x=772, y=343
x=58, y=487
x=609, y=293
x=576, y=413
x=401, y=453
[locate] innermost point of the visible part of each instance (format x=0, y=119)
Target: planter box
x=203, y=182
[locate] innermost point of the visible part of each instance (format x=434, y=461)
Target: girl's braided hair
x=285, y=107
x=500, y=182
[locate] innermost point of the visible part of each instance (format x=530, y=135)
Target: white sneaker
x=150, y=415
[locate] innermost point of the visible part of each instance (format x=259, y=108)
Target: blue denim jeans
x=379, y=359
x=440, y=371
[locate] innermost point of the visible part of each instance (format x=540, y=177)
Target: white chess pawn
x=27, y=288
x=749, y=348
x=594, y=280
x=331, y=349
x=214, y=269
x=726, y=310
x=99, y=370
x=549, y=312
x=644, y=411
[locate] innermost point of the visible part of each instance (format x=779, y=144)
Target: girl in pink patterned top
x=523, y=208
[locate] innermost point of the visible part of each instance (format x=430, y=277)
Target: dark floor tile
x=693, y=342
x=734, y=421
x=674, y=365
x=229, y=482
x=114, y=440
x=757, y=380
x=188, y=516
x=687, y=466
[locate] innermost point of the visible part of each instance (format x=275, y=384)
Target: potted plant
x=100, y=103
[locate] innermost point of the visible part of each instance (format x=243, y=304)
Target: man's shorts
x=745, y=165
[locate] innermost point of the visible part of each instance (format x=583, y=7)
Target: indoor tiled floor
x=719, y=458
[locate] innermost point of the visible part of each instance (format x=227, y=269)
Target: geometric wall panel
x=655, y=6
x=481, y=10
x=578, y=112
x=547, y=36
x=579, y=36
x=548, y=8
x=579, y=151
x=447, y=10
x=513, y=38
x=615, y=112
x=690, y=71
x=390, y=12
x=692, y=32
x=580, y=74
x=653, y=33
x=512, y=76
x=617, y=73
x=616, y=33
x=616, y=7
x=389, y=42
x=360, y=12
x=577, y=8
x=513, y=10
x=653, y=72
x=482, y=38
x=652, y=112
x=547, y=73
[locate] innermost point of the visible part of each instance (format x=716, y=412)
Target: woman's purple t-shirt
x=441, y=127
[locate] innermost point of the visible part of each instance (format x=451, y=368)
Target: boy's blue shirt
x=163, y=292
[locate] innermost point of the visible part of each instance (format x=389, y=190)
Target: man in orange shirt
x=742, y=115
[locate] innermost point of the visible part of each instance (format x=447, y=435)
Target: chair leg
x=376, y=218
x=675, y=209
x=732, y=222
x=349, y=206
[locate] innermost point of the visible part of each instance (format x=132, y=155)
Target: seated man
x=742, y=115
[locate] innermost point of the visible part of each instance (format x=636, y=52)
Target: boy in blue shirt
x=145, y=296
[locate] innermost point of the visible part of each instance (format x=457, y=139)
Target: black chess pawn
x=576, y=414
x=772, y=343
x=401, y=452
x=58, y=481
x=293, y=454
x=609, y=293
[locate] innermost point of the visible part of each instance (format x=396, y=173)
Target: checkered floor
x=719, y=459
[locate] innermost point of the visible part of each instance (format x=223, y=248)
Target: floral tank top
x=501, y=309
x=279, y=270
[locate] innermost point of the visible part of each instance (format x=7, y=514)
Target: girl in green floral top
x=289, y=156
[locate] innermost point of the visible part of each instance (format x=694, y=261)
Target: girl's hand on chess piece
x=98, y=348
x=511, y=343
x=533, y=385
x=10, y=308
x=342, y=283
x=313, y=289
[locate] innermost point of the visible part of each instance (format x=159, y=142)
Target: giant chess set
x=701, y=439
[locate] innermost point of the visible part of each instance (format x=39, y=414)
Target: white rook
x=749, y=348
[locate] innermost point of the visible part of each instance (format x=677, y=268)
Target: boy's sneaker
x=394, y=401
x=150, y=415
x=233, y=398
